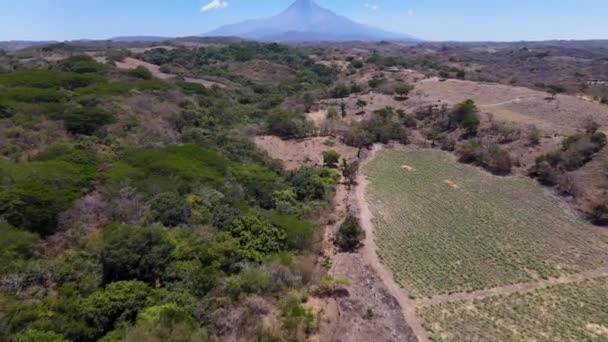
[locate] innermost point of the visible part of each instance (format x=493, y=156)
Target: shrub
x=331, y=159
x=133, y=253
x=357, y=64
x=534, y=135
x=257, y=237
x=465, y=116
x=33, y=335
x=167, y=322
x=350, y=235
x=403, y=89
x=170, y=209
x=313, y=183
x=118, y=302
x=33, y=194
x=140, y=72
x=87, y=120
x=288, y=125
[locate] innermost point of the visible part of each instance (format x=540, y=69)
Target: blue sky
x=465, y=20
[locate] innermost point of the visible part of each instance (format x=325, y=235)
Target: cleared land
x=570, y=312
x=446, y=227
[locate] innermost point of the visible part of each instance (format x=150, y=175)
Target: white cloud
x=372, y=6
x=214, y=4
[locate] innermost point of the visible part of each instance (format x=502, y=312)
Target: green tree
x=87, y=120
x=169, y=323
x=118, y=302
x=350, y=235
x=170, y=209
x=141, y=72
x=257, y=237
x=134, y=253
x=331, y=159
x=33, y=335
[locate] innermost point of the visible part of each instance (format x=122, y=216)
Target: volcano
x=303, y=21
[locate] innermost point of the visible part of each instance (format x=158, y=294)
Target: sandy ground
x=295, y=153
x=516, y=104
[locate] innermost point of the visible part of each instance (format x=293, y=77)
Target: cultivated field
x=443, y=227
x=571, y=312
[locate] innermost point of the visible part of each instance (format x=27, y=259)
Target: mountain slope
x=304, y=20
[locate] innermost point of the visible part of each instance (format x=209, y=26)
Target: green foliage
x=81, y=64
x=33, y=335
x=350, y=235
x=331, y=159
x=297, y=232
x=133, y=253
x=297, y=319
x=465, y=115
x=170, y=209
x=169, y=169
x=33, y=194
x=16, y=243
x=167, y=322
x=332, y=113
x=140, y=72
x=87, y=120
x=118, y=302
x=403, y=89
x=249, y=281
x=259, y=183
x=313, y=183
x=257, y=237
x=288, y=125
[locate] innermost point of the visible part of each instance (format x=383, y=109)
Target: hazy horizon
x=432, y=20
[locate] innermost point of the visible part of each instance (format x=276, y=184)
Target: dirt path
x=516, y=100
x=511, y=289
x=132, y=63
x=408, y=307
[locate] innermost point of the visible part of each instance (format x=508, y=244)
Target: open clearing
x=568, y=312
x=485, y=232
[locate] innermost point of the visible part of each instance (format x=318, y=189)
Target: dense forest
x=132, y=210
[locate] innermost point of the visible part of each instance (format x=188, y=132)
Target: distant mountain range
x=304, y=20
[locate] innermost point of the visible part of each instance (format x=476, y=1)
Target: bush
x=133, y=253
x=33, y=335
x=288, y=125
x=331, y=159
x=140, y=72
x=87, y=120
x=167, y=322
x=313, y=183
x=33, y=194
x=257, y=237
x=489, y=156
x=350, y=236
x=119, y=302
x=170, y=209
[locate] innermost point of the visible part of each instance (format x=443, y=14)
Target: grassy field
x=572, y=312
x=444, y=227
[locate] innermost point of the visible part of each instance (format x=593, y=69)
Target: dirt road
x=511, y=289
x=408, y=307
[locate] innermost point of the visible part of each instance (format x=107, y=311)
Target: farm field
x=444, y=227
x=571, y=312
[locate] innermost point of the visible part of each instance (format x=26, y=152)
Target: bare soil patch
x=132, y=63
x=295, y=153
